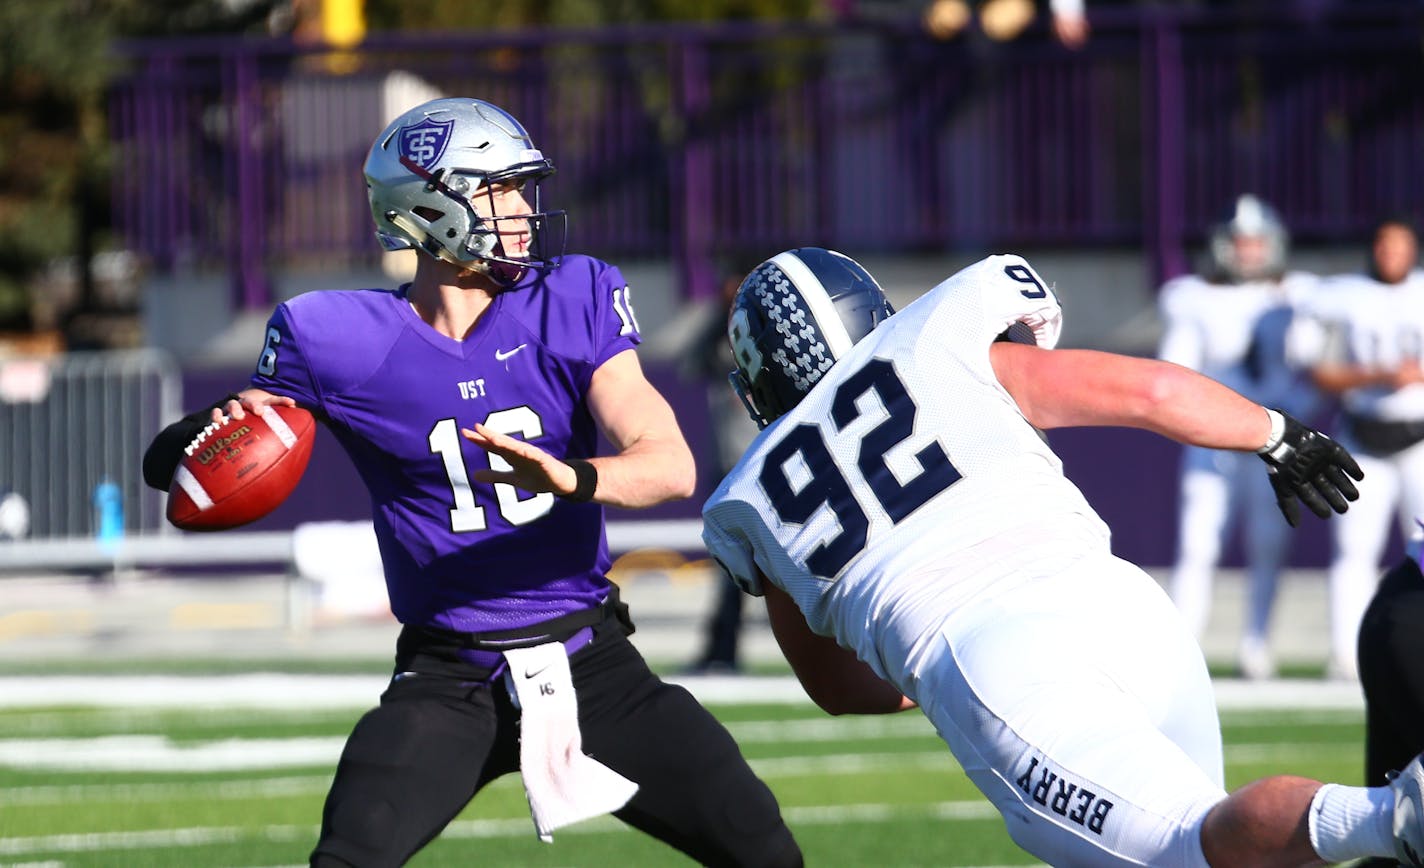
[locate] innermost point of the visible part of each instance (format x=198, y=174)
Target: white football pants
x=1079, y=703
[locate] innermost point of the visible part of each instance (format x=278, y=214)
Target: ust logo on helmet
x=424, y=143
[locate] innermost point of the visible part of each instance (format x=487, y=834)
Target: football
x=237, y=471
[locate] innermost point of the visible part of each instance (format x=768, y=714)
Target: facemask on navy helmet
x=430, y=166
x=1251, y=243
x=792, y=318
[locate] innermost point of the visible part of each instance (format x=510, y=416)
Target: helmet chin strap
x=502, y=274
x=742, y=388
x=500, y=268
x=505, y=274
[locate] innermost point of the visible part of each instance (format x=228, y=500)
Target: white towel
x=562, y=783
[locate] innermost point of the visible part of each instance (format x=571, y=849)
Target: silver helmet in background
x=1250, y=244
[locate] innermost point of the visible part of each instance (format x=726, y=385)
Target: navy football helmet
x=792, y=318
x=426, y=170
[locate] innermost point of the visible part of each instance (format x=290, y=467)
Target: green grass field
x=244, y=787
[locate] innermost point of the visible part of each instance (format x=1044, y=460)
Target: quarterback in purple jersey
x=471, y=402
x=397, y=400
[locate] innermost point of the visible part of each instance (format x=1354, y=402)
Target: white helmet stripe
x=822, y=308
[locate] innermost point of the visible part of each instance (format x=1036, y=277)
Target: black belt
x=555, y=629
x=1382, y=438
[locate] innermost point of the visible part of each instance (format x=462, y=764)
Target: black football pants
x=1391, y=659
x=438, y=737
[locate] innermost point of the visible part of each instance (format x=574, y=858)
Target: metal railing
x=709, y=141
x=73, y=428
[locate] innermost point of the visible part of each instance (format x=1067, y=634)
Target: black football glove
x=1308, y=465
x=160, y=460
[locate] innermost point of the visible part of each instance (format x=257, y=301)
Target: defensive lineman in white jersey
x=917, y=543
x=1231, y=325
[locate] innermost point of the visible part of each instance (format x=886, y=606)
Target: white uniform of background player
x=1365, y=334
x=909, y=509
x=1232, y=328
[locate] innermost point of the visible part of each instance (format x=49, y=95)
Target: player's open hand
x=1309, y=466
x=528, y=467
x=250, y=401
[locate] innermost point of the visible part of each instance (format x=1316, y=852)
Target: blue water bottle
x=108, y=513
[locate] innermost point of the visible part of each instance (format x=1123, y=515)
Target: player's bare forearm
x=652, y=470
x=648, y=471
x=653, y=463
x=1068, y=388
x=834, y=678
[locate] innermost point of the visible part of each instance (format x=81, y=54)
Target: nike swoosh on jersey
x=501, y=355
x=532, y=673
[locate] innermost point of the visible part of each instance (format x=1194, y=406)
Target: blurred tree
x=54, y=159
x=54, y=71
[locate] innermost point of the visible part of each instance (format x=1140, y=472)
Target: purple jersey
x=461, y=554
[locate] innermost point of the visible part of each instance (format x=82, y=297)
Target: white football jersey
x=1357, y=320
x=1208, y=327
x=907, y=475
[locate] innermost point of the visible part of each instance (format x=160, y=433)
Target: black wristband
x=586, y=480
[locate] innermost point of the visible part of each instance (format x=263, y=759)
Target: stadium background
x=233, y=183
x=177, y=700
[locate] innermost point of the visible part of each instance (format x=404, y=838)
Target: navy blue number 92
x=828, y=484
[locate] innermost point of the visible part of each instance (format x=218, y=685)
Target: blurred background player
x=709, y=362
x=1365, y=336
x=1231, y=325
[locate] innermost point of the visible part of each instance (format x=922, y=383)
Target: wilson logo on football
x=212, y=450
x=209, y=494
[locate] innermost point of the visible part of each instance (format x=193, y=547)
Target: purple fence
x=707, y=142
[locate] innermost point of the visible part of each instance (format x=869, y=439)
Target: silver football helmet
x=1251, y=243
x=792, y=318
x=427, y=169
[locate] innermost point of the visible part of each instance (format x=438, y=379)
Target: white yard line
x=207, y=790
x=157, y=753
x=277, y=690
x=256, y=690
x=198, y=836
